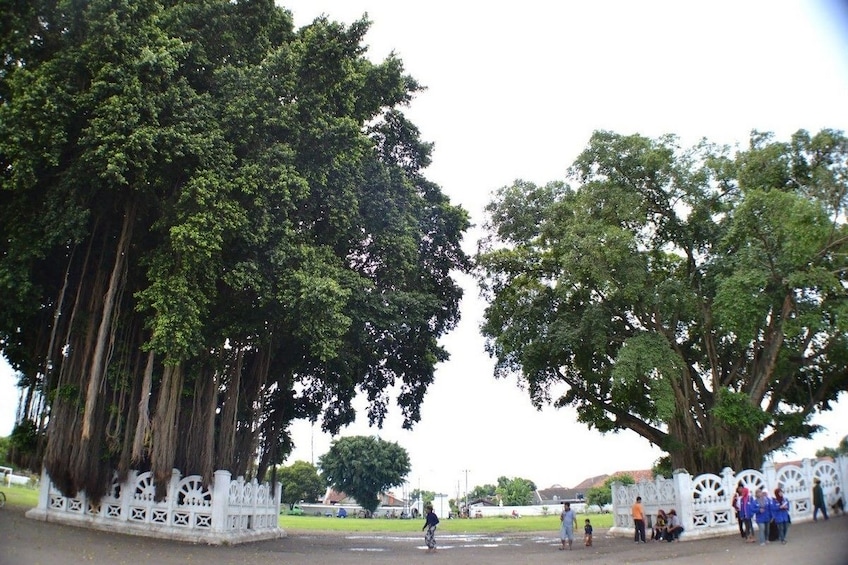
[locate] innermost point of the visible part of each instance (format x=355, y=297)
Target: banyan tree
x=213, y=224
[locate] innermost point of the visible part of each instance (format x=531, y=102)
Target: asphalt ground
x=24, y=541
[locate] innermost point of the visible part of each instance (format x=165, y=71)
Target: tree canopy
x=300, y=482
x=363, y=467
x=694, y=295
x=515, y=491
x=212, y=224
x=840, y=450
x=601, y=495
x=483, y=492
x=425, y=496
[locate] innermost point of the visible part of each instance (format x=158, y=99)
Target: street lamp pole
x=466, y=491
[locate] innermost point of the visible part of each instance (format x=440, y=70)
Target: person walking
x=430, y=523
x=569, y=522
x=638, y=513
x=762, y=513
x=744, y=505
x=735, y=504
x=818, y=500
x=780, y=513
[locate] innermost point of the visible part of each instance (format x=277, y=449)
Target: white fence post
x=171, y=502
x=220, y=501
x=127, y=492
x=842, y=469
x=770, y=474
x=683, y=494
x=44, y=490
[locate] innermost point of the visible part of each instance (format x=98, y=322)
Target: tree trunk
x=197, y=445
x=142, y=427
x=132, y=416
x=247, y=434
x=98, y=368
x=709, y=452
x=229, y=415
x=165, y=432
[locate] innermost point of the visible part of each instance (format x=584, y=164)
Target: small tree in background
x=515, y=492
x=300, y=482
x=363, y=467
x=841, y=449
x=4, y=451
x=425, y=496
x=602, y=495
x=662, y=467
x=483, y=492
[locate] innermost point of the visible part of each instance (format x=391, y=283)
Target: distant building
x=387, y=499
x=477, y=502
x=557, y=494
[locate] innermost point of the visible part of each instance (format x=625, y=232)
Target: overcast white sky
x=515, y=91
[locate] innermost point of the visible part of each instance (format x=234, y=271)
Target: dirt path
x=29, y=542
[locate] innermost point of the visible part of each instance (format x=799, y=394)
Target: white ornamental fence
x=704, y=503
x=230, y=511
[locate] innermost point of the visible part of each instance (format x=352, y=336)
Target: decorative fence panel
x=230, y=511
x=704, y=503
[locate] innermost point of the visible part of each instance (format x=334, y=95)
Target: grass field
x=495, y=525
x=20, y=496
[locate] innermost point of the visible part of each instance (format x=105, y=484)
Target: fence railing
x=228, y=511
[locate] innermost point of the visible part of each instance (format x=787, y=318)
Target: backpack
x=772, y=531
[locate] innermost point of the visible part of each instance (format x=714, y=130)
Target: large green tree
x=363, y=467
x=212, y=224
x=695, y=296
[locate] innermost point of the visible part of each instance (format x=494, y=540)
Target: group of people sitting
x=666, y=526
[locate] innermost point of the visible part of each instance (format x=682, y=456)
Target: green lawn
x=496, y=525
x=21, y=496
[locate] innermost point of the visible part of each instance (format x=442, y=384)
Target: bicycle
x=2, y=499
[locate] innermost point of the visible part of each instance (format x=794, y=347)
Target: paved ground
x=29, y=542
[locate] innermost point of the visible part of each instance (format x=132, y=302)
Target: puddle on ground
x=449, y=541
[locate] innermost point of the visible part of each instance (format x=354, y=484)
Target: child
x=587, y=533
x=837, y=504
x=430, y=526
x=658, y=533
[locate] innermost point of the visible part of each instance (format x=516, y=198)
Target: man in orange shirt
x=638, y=520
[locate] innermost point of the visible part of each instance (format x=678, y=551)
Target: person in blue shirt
x=569, y=523
x=744, y=505
x=780, y=513
x=762, y=514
